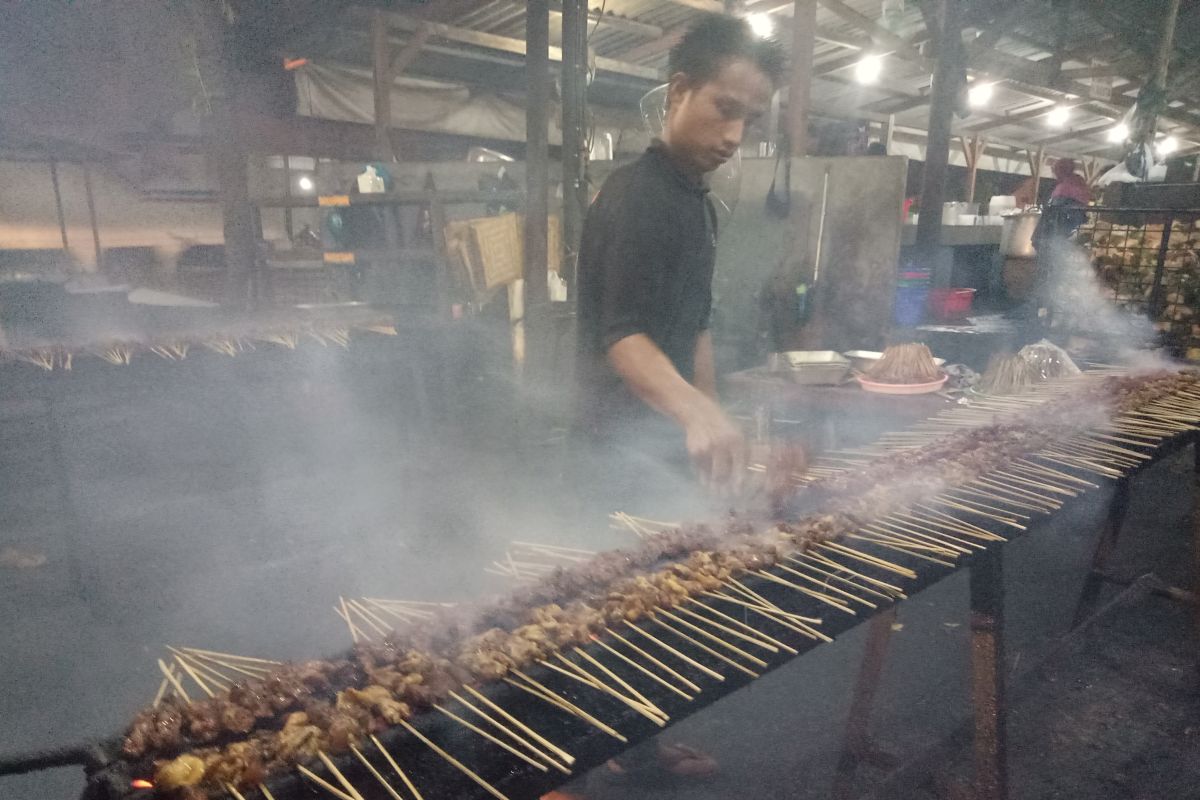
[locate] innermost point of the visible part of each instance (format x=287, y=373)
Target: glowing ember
x=138, y=783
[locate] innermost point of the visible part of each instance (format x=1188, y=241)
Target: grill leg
x=856, y=745
x=1108, y=541
x=987, y=676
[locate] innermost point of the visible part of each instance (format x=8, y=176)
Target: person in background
x=1071, y=188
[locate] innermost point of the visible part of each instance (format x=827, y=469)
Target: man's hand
x=715, y=446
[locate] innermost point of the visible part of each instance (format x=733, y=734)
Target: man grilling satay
x=648, y=400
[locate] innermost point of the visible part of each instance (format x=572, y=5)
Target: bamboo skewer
x=231, y=656
x=824, y=598
x=693, y=662
x=825, y=585
x=868, y=559
x=566, y=757
x=579, y=675
x=503, y=745
x=755, y=660
x=214, y=676
x=355, y=634
x=810, y=565
x=507, y=731
x=374, y=621
x=324, y=784
x=653, y=676
x=694, y=688
x=821, y=558
x=539, y=689
x=229, y=787
x=175, y=684
x=396, y=767
x=374, y=772
x=337, y=773
x=704, y=648
x=752, y=634
x=620, y=682
x=790, y=621
x=492, y=790
x=195, y=677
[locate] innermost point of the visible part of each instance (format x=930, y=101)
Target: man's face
x=706, y=122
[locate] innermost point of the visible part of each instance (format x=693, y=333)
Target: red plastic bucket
x=950, y=304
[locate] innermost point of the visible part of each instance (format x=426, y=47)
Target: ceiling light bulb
x=761, y=25
x=1167, y=146
x=979, y=94
x=305, y=183
x=1058, y=117
x=1118, y=133
x=868, y=69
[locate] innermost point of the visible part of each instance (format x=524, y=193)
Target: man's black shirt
x=645, y=266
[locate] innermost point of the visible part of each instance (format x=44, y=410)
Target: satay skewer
x=688, y=659
x=566, y=757
x=779, y=617
x=355, y=633
x=825, y=585
x=824, y=598
x=580, y=675
x=214, y=676
x=337, y=773
x=752, y=636
x=162, y=690
x=695, y=688
x=704, y=648
x=653, y=676
x=811, y=564
x=396, y=767
x=195, y=677
x=454, y=762
x=391, y=790
x=244, y=669
x=377, y=622
x=753, y=659
x=232, y=657
x=502, y=745
x=619, y=681
x=838, y=567
x=324, y=784
x=755, y=632
x=867, y=559
x=540, y=690
x=525, y=742
x=175, y=683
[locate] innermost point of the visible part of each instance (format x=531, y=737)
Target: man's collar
x=659, y=149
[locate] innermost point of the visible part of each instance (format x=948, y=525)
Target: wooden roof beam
x=508, y=44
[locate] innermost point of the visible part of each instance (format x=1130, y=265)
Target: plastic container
x=910, y=305
x=950, y=304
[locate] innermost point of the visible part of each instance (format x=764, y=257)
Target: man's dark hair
x=714, y=40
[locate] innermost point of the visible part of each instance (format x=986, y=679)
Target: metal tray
x=810, y=367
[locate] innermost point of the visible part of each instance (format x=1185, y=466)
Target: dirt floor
x=221, y=513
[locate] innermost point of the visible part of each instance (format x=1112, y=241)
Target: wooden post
x=382, y=74
x=1037, y=160
x=91, y=205
x=804, y=28
x=537, y=151
x=972, y=152
x=58, y=205
x=287, y=192
x=941, y=113
x=574, y=114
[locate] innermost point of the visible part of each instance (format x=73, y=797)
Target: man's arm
x=713, y=442
x=705, y=367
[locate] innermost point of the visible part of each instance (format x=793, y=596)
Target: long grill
x=580, y=706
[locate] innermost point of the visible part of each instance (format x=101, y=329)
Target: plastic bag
x=1048, y=360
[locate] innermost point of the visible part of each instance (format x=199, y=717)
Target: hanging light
x=1118, y=133
x=1058, y=117
x=1167, y=146
x=305, y=183
x=868, y=69
x=979, y=94
x=761, y=25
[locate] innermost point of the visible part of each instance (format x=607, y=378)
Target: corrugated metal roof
x=1007, y=116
